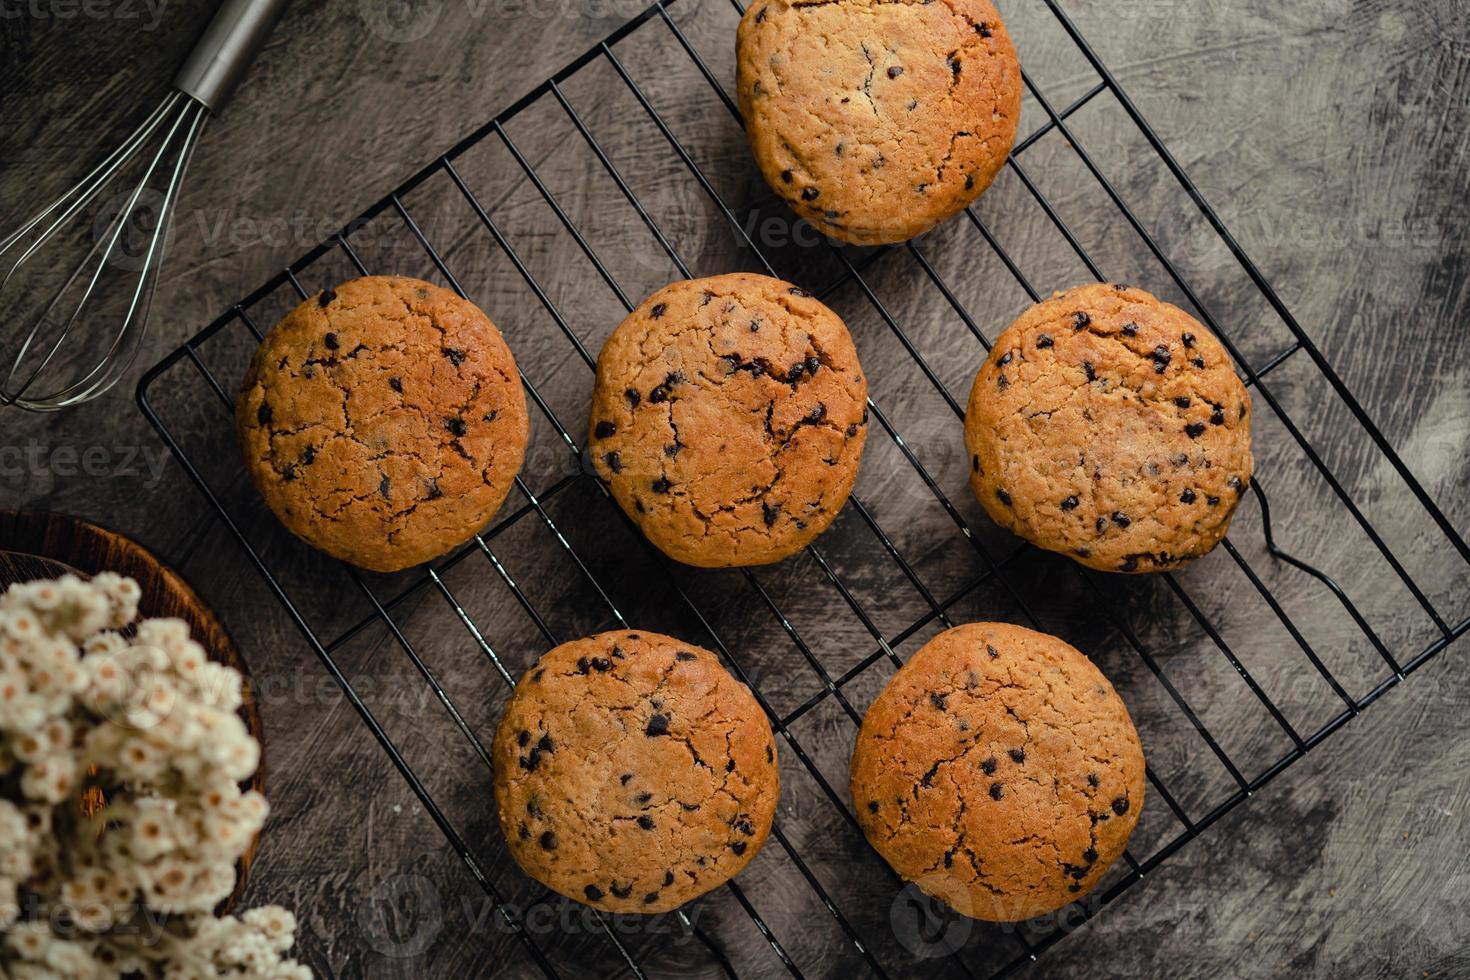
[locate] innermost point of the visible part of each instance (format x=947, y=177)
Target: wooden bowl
x=36, y=546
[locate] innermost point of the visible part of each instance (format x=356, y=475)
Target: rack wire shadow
x=835, y=687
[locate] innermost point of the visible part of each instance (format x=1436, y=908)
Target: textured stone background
x=1332, y=137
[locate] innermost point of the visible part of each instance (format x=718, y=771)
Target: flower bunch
x=121, y=815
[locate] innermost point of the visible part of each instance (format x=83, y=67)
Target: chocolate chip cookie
x=633, y=773
x=999, y=772
x=1110, y=426
x=383, y=421
x=877, y=120
x=728, y=418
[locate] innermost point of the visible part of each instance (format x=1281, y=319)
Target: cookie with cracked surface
x=873, y=119
x=728, y=419
x=383, y=421
x=1109, y=425
x=633, y=773
x=999, y=771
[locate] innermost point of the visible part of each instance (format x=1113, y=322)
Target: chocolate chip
x=1234, y=483
x=1120, y=805
x=937, y=700
x=1080, y=320
x=668, y=878
x=601, y=664
x=730, y=765
x=852, y=430
x=593, y=893
x=769, y=514
x=658, y=310
x=1074, y=888
x=1101, y=525
x=1121, y=519
x=949, y=859
x=548, y=841
x=997, y=791
x=895, y=71
x=1188, y=339
x=1018, y=756
x=584, y=665
x=455, y=355
x=650, y=898
x=331, y=341
x=657, y=725
x=786, y=176
x=456, y=427
x=523, y=738
x=1087, y=370
x=1083, y=552
x=1188, y=496
x=1130, y=564
x=396, y=384
x=1090, y=855
x=738, y=846
x=633, y=398
x=614, y=462
x=1161, y=358
x=621, y=891
x=625, y=778
x=605, y=430
x=1006, y=358
x=994, y=653
x=798, y=291
x=383, y=485
x=954, y=65
x=1130, y=329
x=1198, y=362
x=1043, y=342
x=643, y=798
x=1070, y=503
x=1194, y=430
x=263, y=414
x=325, y=299
x=661, y=485
x=872, y=806
x=646, y=822
x=982, y=29
x=1182, y=402
x=1217, y=417
x=810, y=193
x=1002, y=496
x=1213, y=501
x=812, y=363
x=988, y=766
x=524, y=832
x=1093, y=780
x=969, y=182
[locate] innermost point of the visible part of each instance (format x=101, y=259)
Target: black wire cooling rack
x=1198, y=771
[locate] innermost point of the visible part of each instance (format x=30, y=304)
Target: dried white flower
x=142, y=726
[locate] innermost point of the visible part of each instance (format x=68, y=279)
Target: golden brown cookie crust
x=1110, y=426
x=633, y=773
x=999, y=771
x=383, y=421
x=728, y=418
x=877, y=119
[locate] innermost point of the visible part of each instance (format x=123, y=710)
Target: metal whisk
x=70, y=345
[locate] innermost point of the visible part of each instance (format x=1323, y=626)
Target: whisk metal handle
x=229, y=44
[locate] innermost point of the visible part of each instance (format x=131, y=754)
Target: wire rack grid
x=1001, y=571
